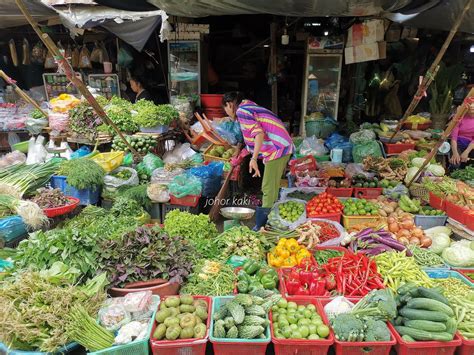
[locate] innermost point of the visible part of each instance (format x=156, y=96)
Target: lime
x=323, y=330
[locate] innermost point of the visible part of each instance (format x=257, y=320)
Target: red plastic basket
x=367, y=192
x=469, y=216
x=437, y=202
x=467, y=347
x=238, y=348
x=211, y=100
x=464, y=272
x=340, y=191
x=417, y=126
x=303, y=346
x=456, y=212
x=183, y=346
x=336, y=217
x=395, y=148
x=364, y=347
x=302, y=164
x=425, y=347
x=189, y=201
x=58, y=211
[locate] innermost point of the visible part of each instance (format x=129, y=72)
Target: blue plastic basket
x=444, y=274
x=12, y=227
x=64, y=350
x=86, y=196
x=427, y=222
x=216, y=304
x=137, y=347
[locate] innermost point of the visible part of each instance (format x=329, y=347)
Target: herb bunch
x=82, y=173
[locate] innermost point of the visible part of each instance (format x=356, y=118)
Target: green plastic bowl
x=22, y=147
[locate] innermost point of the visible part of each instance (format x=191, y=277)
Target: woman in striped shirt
x=265, y=138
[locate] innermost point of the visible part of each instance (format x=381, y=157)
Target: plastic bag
x=396, y=192
x=163, y=176
x=362, y=150
x=82, y=151
x=149, y=163
x=346, y=151
x=14, y=157
x=185, y=185
x=36, y=151
x=49, y=62
x=112, y=317
x=131, y=331
x=211, y=177
x=357, y=169
x=334, y=139
x=96, y=54
x=179, y=153
x=229, y=130
x=84, y=58
x=363, y=136
x=305, y=190
x=158, y=192
x=35, y=125
x=313, y=146
x=124, y=58
x=58, y=122
x=127, y=159
x=75, y=58
x=276, y=221
x=137, y=301
x=115, y=182
x=339, y=305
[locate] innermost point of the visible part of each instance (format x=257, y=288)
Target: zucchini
x=427, y=325
x=405, y=288
x=432, y=294
x=430, y=305
x=418, y=334
x=410, y=313
x=451, y=326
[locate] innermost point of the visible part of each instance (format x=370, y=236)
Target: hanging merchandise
x=49, y=62
x=84, y=58
x=75, y=57
x=13, y=54
x=26, y=60
x=38, y=53
x=97, y=54
x=105, y=54
x=124, y=58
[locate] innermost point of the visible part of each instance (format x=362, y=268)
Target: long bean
x=426, y=257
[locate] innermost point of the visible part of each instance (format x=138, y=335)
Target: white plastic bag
x=115, y=182
x=276, y=221
x=313, y=146
x=158, y=192
x=339, y=305
x=163, y=176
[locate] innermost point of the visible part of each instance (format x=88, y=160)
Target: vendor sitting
x=462, y=137
x=138, y=88
x=266, y=138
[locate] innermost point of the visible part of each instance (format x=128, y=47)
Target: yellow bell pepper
x=290, y=261
x=282, y=252
x=292, y=245
x=282, y=242
x=278, y=261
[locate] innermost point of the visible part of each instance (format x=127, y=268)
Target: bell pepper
x=282, y=242
x=318, y=287
x=254, y=285
x=243, y=286
x=302, y=291
x=242, y=275
x=306, y=277
x=292, y=286
x=290, y=261
x=282, y=252
x=330, y=282
x=292, y=245
x=251, y=267
x=278, y=261
x=268, y=282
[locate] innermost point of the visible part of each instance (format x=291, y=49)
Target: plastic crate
x=336, y=217
x=469, y=219
x=417, y=126
x=64, y=350
x=158, y=129
x=190, y=200
x=59, y=211
x=86, y=196
x=211, y=100
x=303, y=346
x=464, y=272
x=444, y=274
x=467, y=346
x=236, y=346
x=437, y=202
x=183, y=346
x=456, y=212
x=363, y=347
x=167, y=207
x=340, y=191
x=425, y=347
x=368, y=192
x=427, y=222
x=395, y=148
x=11, y=228
x=351, y=221
x=109, y=161
x=137, y=347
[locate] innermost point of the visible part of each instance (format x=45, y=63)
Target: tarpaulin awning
x=11, y=16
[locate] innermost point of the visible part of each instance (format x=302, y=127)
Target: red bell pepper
x=302, y=291
x=292, y=286
x=330, y=282
x=306, y=277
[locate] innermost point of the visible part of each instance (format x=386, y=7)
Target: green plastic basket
x=138, y=347
x=319, y=128
x=216, y=304
x=22, y=146
x=444, y=274
x=64, y=350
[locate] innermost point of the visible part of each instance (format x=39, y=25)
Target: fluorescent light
x=266, y=45
x=315, y=24
x=471, y=49
x=326, y=33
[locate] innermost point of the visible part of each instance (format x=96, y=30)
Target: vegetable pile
x=82, y=173
x=282, y=215
x=309, y=324
x=255, y=275
x=374, y=242
x=308, y=280
x=182, y=317
x=404, y=229
x=287, y=253
x=210, y=278
x=324, y=203
x=50, y=198
x=142, y=144
x=362, y=207
x=240, y=241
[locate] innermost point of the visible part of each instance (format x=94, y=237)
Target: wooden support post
x=273, y=66
x=431, y=73
x=21, y=93
x=461, y=111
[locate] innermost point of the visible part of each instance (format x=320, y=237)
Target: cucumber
x=427, y=325
x=411, y=313
x=406, y=297
x=451, y=326
x=398, y=321
x=432, y=294
x=418, y=334
x=408, y=338
x=405, y=288
x=430, y=305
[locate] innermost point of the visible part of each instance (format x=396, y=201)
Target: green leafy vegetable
x=149, y=115
x=82, y=173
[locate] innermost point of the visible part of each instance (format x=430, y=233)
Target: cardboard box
x=367, y=32
x=365, y=52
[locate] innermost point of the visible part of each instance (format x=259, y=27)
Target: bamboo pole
x=20, y=92
x=432, y=71
x=64, y=64
x=461, y=111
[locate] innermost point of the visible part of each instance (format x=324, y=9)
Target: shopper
x=265, y=138
x=462, y=137
x=138, y=88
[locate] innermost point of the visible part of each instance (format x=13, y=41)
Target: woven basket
x=419, y=191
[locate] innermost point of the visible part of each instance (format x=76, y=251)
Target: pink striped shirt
x=253, y=120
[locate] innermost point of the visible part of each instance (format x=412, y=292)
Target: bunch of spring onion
x=29, y=211
x=21, y=179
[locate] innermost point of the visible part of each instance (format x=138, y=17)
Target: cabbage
x=440, y=242
x=417, y=162
x=431, y=232
x=459, y=254
x=435, y=169
x=410, y=173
